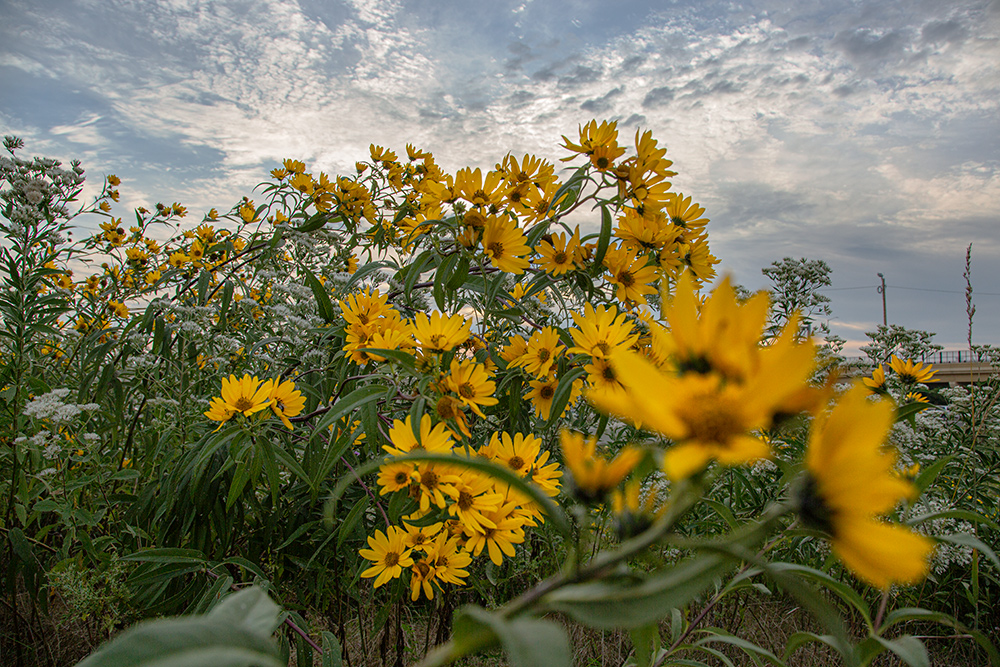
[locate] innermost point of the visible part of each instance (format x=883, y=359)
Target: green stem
x=682, y=499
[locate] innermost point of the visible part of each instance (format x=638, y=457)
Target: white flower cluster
x=43, y=440
x=36, y=187
x=50, y=406
x=945, y=554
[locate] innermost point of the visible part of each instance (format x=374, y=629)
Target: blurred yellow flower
x=850, y=482
x=593, y=476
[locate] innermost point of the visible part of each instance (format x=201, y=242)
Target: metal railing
x=940, y=357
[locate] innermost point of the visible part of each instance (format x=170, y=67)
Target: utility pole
x=881, y=290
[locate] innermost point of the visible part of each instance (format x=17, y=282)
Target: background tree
x=795, y=288
x=900, y=341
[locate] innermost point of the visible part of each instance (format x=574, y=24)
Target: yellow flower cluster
x=248, y=396
x=907, y=372
x=474, y=511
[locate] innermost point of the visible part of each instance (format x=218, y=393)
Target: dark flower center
x=465, y=500
x=813, y=509
x=429, y=479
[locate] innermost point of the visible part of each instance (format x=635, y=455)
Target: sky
x=865, y=134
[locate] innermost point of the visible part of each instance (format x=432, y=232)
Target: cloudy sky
x=866, y=134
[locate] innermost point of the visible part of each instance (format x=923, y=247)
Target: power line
x=914, y=289
x=946, y=291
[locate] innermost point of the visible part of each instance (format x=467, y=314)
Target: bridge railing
x=940, y=357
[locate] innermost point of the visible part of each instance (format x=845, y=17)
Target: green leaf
x=316, y=221
x=646, y=640
x=240, y=479
x=213, y=595
x=916, y=614
x=227, y=299
x=348, y=404
x=331, y=650
x=441, y=279
x=967, y=515
x=322, y=298
x=824, y=612
x=528, y=642
x=566, y=195
x=501, y=473
x=562, y=393
x=250, y=609
x=289, y=462
x=535, y=234
x=718, y=636
x=405, y=358
x=169, y=555
x=362, y=272
x=460, y=274
x=633, y=603
x=204, y=279
x=146, y=577
x=909, y=649
x=345, y=528
x=234, y=634
x=799, y=639
x=909, y=411
x=838, y=588
x=421, y=264
x=929, y=474
x=604, y=240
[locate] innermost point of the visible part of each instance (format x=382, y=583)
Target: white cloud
x=792, y=122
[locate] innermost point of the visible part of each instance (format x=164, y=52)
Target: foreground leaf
x=237, y=633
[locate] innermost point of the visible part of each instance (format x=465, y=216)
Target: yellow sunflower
x=505, y=244
x=629, y=273
x=541, y=353
x=557, y=255
x=472, y=383
x=474, y=496
x=601, y=331
x=499, y=540
x=244, y=396
x=517, y=453
x=876, y=383
x=388, y=553
x=911, y=373
x=286, y=400
x=440, y=333
x=435, y=440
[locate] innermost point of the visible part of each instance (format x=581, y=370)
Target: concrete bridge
x=953, y=367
